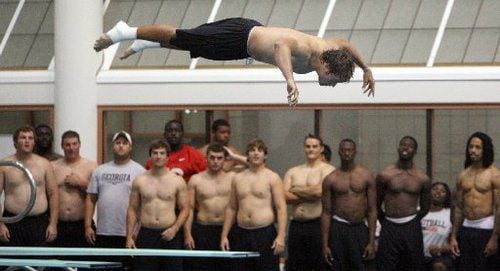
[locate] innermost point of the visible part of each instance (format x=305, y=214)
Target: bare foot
x=128, y=52
x=103, y=42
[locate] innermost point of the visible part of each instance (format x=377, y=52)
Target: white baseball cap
x=123, y=134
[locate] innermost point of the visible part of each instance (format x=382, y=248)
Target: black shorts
x=304, y=246
x=151, y=238
x=30, y=231
x=400, y=246
x=112, y=241
x=221, y=40
x=206, y=237
x=257, y=240
x=347, y=242
x=71, y=234
x=472, y=243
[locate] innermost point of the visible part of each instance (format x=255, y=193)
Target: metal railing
x=32, y=199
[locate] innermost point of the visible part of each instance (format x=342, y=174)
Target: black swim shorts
x=220, y=40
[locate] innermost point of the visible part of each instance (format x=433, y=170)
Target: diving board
x=59, y=251
x=58, y=263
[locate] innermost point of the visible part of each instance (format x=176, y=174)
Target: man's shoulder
x=141, y=178
x=327, y=167
x=58, y=162
x=88, y=162
x=39, y=160
x=11, y=157
x=272, y=175
x=362, y=169
x=133, y=163
x=294, y=170
x=188, y=148
x=191, y=151
x=389, y=170
x=198, y=176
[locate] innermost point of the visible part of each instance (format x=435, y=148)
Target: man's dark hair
x=488, y=150
x=43, y=125
x=174, y=121
x=24, y=128
x=256, y=143
x=340, y=63
x=447, y=198
x=216, y=147
x=314, y=137
x=327, y=152
x=70, y=134
x=218, y=123
x=410, y=138
x=159, y=144
x=347, y=140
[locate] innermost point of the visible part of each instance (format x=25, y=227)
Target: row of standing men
x=233, y=202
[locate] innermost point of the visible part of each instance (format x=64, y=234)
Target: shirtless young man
x=256, y=195
x=210, y=190
x=303, y=191
x=401, y=188
x=72, y=173
x=153, y=201
x=221, y=134
x=476, y=220
x=349, y=199
x=238, y=38
x=39, y=227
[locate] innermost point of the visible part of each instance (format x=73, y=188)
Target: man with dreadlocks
x=476, y=214
x=239, y=38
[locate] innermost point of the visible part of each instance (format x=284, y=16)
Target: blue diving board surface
x=58, y=263
x=59, y=251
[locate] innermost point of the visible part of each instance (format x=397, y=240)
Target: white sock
x=121, y=31
x=140, y=45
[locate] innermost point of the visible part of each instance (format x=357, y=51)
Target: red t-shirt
x=187, y=160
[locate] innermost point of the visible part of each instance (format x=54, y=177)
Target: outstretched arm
x=368, y=81
x=283, y=58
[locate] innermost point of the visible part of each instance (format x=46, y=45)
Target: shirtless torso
x=17, y=189
x=476, y=188
x=256, y=195
x=154, y=198
x=16, y=185
x=475, y=213
x=255, y=199
x=400, y=190
x=304, y=49
x=303, y=183
x=211, y=192
x=72, y=180
x=349, y=194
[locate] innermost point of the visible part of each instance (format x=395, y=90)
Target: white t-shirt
x=112, y=183
x=436, y=229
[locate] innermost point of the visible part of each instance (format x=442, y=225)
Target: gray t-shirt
x=112, y=183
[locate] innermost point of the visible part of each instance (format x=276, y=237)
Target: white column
x=77, y=24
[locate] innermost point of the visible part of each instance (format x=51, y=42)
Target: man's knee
x=167, y=30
